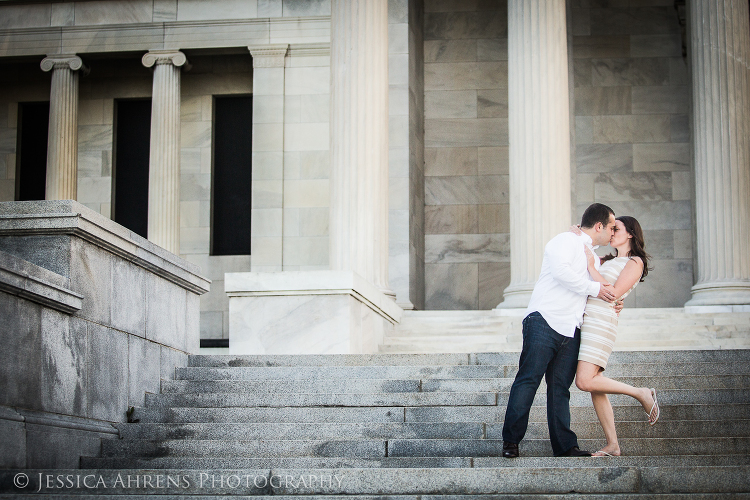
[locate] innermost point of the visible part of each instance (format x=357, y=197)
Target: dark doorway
x=31, y=150
x=232, y=175
x=130, y=168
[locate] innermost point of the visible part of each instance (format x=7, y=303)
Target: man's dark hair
x=596, y=213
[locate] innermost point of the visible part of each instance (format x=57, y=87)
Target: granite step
x=364, y=386
x=730, y=411
x=412, y=481
x=421, y=430
x=447, y=399
x=373, y=448
x=449, y=372
x=492, y=358
x=208, y=463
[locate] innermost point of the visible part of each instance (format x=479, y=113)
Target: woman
x=625, y=269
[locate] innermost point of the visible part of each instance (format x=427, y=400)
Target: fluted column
x=62, y=141
x=164, y=159
x=539, y=126
x=720, y=54
x=359, y=139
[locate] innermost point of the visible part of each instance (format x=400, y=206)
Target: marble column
x=267, y=212
x=539, y=126
x=720, y=55
x=359, y=139
x=62, y=141
x=164, y=159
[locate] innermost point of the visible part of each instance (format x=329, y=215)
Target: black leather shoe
x=575, y=452
x=510, y=450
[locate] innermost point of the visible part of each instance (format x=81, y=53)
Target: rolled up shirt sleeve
x=561, y=267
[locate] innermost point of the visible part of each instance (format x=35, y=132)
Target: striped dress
x=599, y=329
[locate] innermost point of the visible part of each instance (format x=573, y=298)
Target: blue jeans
x=554, y=356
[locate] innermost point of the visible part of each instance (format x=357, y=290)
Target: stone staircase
x=424, y=426
x=639, y=330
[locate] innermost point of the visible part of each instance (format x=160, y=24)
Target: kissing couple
x=571, y=326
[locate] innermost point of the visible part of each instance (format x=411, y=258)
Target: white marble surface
x=306, y=312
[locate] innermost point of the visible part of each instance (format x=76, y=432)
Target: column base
x=720, y=294
x=307, y=312
x=516, y=297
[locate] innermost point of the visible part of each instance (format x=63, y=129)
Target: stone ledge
x=23, y=218
x=55, y=420
x=34, y=283
x=311, y=283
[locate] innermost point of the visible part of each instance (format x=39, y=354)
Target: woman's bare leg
x=590, y=379
x=607, y=419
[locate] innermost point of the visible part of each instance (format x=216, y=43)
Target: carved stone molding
x=309, y=49
x=57, y=61
x=156, y=57
x=269, y=55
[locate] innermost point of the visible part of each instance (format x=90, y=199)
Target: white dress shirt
x=564, y=284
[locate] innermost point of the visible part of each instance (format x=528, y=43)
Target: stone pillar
x=720, y=54
x=266, y=214
x=539, y=124
x=62, y=141
x=164, y=160
x=359, y=139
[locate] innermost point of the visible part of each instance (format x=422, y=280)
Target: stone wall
x=466, y=154
x=632, y=133
x=406, y=151
x=93, y=318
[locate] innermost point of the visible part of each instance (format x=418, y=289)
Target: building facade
x=431, y=147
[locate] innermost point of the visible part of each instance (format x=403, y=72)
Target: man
x=552, y=335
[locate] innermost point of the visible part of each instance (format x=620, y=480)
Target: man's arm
x=561, y=266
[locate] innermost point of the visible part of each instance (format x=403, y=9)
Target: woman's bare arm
x=630, y=274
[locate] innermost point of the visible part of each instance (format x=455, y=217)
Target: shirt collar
x=588, y=241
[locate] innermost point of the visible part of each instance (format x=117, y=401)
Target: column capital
x=156, y=57
x=268, y=55
x=57, y=61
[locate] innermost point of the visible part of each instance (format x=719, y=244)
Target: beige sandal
x=654, y=407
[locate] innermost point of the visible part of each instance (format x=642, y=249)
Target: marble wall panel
x=465, y=190
x=314, y=222
x=667, y=284
x=144, y=370
x=196, y=10
x=586, y=47
x=466, y=132
x=661, y=157
x=107, y=383
x=633, y=186
x=631, y=128
x=602, y=100
x=268, y=222
x=679, y=128
x=451, y=219
x=451, y=286
x=660, y=100
x=678, y=71
x=194, y=240
x=307, y=80
x=494, y=278
x=267, y=194
x=493, y=160
x=25, y=16
x=466, y=75
x=462, y=24
x=300, y=8
x=656, y=45
x=444, y=51
x=604, y=158
x=654, y=215
x=315, y=164
x=610, y=21
x=659, y=244
x=493, y=218
x=315, y=108
x=113, y=12
x=195, y=187
x=683, y=244
x=165, y=10
x=464, y=248
x=492, y=49
x=492, y=103
x=654, y=20
x=306, y=137
x=581, y=22
x=650, y=71
x=270, y=8
x=585, y=187
x=450, y=104
x=584, y=127
x=682, y=185
x=450, y=161
x=306, y=193
x=305, y=251
x=582, y=72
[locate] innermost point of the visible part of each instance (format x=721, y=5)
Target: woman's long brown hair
x=637, y=243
